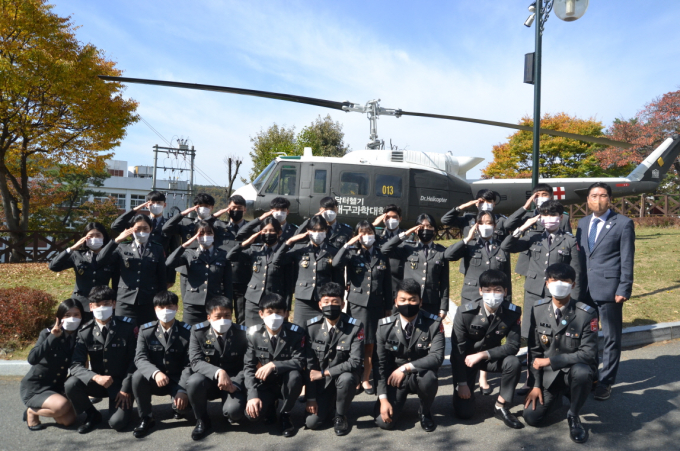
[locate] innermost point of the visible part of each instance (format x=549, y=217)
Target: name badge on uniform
x=81, y=272
x=544, y=339
x=188, y=236
x=304, y=263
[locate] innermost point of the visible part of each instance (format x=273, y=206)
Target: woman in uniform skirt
x=370, y=288
x=82, y=257
x=42, y=389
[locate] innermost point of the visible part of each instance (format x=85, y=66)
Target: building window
x=354, y=184
x=119, y=199
x=136, y=200
x=387, y=185
x=320, y=181
x=116, y=172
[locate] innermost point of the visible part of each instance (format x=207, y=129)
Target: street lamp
x=567, y=10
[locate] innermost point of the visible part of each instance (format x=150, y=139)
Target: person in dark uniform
x=82, y=257
x=108, y=343
x=391, y=218
x=279, y=207
x=208, y=272
x=274, y=364
x=336, y=352
x=162, y=361
x=42, y=389
x=217, y=350
x=370, y=288
x=410, y=352
x=563, y=350
x=479, y=329
x=141, y=265
x=338, y=233
x=424, y=262
x=155, y=203
x=236, y=210
x=313, y=261
x=267, y=277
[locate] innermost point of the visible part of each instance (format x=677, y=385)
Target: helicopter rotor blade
x=545, y=131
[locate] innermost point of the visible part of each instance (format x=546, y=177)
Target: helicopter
x=364, y=181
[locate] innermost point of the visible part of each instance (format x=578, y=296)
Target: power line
x=155, y=131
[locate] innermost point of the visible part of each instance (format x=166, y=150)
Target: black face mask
x=236, y=215
x=269, y=238
x=408, y=310
x=331, y=312
x=425, y=235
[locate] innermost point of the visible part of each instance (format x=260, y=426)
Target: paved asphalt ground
x=642, y=414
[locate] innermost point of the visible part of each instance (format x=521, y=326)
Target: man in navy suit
x=607, y=245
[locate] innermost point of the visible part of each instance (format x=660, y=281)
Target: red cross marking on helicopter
x=559, y=193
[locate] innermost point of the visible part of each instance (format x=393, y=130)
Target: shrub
x=24, y=312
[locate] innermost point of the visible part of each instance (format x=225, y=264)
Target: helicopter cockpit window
x=354, y=184
x=387, y=185
x=283, y=182
x=259, y=181
x=320, y=176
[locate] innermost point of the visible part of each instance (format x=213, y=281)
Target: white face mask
x=486, y=206
x=103, y=313
x=329, y=215
x=70, y=324
x=550, y=223
x=392, y=223
x=367, y=240
x=273, y=321
x=141, y=237
x=166, y=315
x=280, y=215
x=485, y=230
x=540, y=200
x=559, y=289
x=317, y=237
x=156, y=209
x=206, y=240
x=95, y=243
x=204, y=212
x=492, y=300
x=221, y=325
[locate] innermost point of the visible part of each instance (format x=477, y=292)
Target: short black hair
x=601, y=185
x=205, y=225
x=362, y=225
x=218, y=302
x=237, y=199
x=493, y=278
x=165, y=299
x=481, y=214
x=542, y=187
x=155, y=196
x=328, y=203
x=101, y=293
x=551, y=208
x=279, y=203
x=98, y=227
x=67, y=305
x=394, y=208
x=429, y=218
x=273, y=221
x=317, y=221
x=331, y=289
x=140, y=218
x=273, y=301
x=409, y=286
x=204, y=199
x=560, y=271
x=488, y=195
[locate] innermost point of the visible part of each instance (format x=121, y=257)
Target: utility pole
x=183, y=151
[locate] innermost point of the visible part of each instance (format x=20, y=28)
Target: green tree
x=268, y=144
x=324, y=136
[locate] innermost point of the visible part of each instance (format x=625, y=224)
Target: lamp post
x=567, y=10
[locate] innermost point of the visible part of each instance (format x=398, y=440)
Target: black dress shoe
x=90, y=422
x=369, y=391
x=177, y=416
x=287, y=428
x=509, y=419
x=486, y=391
x=427, y=423
x=202, y=428
x=144, y=427
x=602, y=392
x=37, y=427
x=340, y=425
x=95, y=400
x=302, y=399
x=522, y=391
x=576, y=430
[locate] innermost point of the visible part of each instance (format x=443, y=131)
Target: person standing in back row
x=338, y=233
x=607, y=243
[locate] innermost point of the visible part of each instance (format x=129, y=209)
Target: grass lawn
x=655, y=292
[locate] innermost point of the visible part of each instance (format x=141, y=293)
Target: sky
x=462, y=58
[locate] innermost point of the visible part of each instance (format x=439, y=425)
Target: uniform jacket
x=254, y=226
x=50, y=360
x=208, y=356
x=431, y=272
x=314, y=267
x=114, y=357
x=370, y=281
x=267, y=277
x=425, y=350
x=208, y=273
x=241, y=270
x=472, y=333
x=572, y=341
x=396, y=265
x=608, y=266
x=155, y=354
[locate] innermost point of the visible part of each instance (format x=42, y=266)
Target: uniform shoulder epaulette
x=542, y=301
x=503, y=216
x=514, y=308
x=585, y=307
x=200, y=326
x=125, y=319
x=345, y=225
x=386, y=320
x=87, y=324
x=352, y=320
x=433, y=317
x=48, y=330
x=470, y=306
x=253, y=329
x=294, y=327
x=186, y=326
x=568, y=233
x=439, y=247
x=566, y=213
x=242, y=327
x=314, y=320
x=149, y=324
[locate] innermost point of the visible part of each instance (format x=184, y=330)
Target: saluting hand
x=473, y=230
x=161, y=379
x=296, y=238
x=78, y=244
x=221, y=212
x=530, y=222
x=251, y=240
x=144, y=205
x=529, y=201
x=413, y=229
x=188, y=242
x=56, y=330
x=379, y=220
x=124, y=234
x=353, y=240
x=265, y=214
x=189, y=210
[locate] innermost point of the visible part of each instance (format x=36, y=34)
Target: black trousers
x=510, y=369
x=286, y=387
x=143, y=388
x=194, y=314
x=252, y=314
x=201, y=389
x=239, y=293
x=340, y=392
x=305, y=309
x=78, y=393
x=140, y=314
x=576, y=384
x=611, y=318
x=424, y=384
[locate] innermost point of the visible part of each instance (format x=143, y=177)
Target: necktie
x=593, y=233
x=426, y=249
x=153, y=224
x=275, y=340
x=558, y=315
x=105, y=333
x=220, y=339
x=488, y=248
x=235, y=228
x=167, y=335
x=408, y=331
x=70, y=341
x=331, y=334
x=490, y=318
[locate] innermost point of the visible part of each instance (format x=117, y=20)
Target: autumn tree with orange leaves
x=53, y=108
